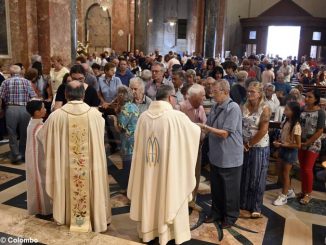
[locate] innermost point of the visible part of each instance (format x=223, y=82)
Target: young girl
x=289, y=144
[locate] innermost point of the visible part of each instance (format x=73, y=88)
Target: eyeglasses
x=174, y=96
x=252, y=92
x=155, y=71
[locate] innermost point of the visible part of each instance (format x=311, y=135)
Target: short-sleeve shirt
x=91, y=97
x=125, y=79
x=226, y=153
x=151, y=88
x=312, y=121
x=288, y=135
x=127, y=120
x=109, y=88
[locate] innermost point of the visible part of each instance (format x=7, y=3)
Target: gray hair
x=163, y=92
x=223, y=84
x=137, y=80
x=190, y=72
x=242, y=75
x=269, y=85
x=195, y=90
x=146, y=75
x=156, y=63
x=127, y=93
x=15, y=69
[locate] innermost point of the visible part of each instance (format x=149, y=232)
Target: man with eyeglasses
x=77, y=73
x=224, y=130
x=162, y=175
x=158, y=80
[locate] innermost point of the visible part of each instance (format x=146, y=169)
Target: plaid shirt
x=16, y=91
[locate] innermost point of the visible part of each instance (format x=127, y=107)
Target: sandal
x=299, y=195
x=256, y=215
x=305, y=200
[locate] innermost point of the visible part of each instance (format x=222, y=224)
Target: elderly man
x=271, y=98
x=281, y=87
x=162, y=175
x=286, y=70
x=140, y=99
x=76, y=168
x=193, y=108
x=158, y=80
x=16, y=92
x=224, y=129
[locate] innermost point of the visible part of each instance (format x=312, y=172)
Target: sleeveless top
x=250, y=126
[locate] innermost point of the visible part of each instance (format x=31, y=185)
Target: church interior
x=187, y=32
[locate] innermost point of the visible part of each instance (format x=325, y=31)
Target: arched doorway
x=97, y=28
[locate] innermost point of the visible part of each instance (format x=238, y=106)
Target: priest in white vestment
x=76, y=166
x=38, y=202
x=162, y=175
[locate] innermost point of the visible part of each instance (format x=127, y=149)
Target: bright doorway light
x=283, y=41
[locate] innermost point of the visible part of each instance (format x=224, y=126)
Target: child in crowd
x=289, y=144
x=38, y=201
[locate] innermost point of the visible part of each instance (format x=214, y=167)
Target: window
x=316, y=36
x=4, y=32
x=252, y=35
x=182, y=29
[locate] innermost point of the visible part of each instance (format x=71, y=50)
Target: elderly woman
x=125, y=123
x=138, y=89
x=256, y=115
x=146, y=75
x=298, y=96
x=271, y=98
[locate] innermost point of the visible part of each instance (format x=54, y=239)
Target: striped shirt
x=16, y=91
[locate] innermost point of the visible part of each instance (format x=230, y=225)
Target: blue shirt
x=284, y=87
x=125, y=78
x=231, y=79
x=226, y=153
x=109, y=88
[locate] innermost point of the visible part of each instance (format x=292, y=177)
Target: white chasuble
x=76, y=167
x=162, y=175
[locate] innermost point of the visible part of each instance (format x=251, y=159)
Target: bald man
x=76, y=171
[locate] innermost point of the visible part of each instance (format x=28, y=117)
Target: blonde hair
x=259, y=88
x=57, y=58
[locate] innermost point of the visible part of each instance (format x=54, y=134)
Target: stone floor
x=292, y=224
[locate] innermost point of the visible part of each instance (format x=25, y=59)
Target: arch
x=98, y=27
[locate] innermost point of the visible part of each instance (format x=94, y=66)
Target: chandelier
x=105, y=4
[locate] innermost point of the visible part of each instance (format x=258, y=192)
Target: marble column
x=141, y=24
x=43, y=27
x=73, y=23
x=211, y=21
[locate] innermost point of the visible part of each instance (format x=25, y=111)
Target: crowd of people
x=167, y=116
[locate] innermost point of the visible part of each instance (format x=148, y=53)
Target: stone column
x=200, y=7
x=141, y=18
x=211, y=21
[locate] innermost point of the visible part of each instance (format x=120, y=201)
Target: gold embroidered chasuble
x=76, y=168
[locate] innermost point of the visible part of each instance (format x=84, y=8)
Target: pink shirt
x=195, y=115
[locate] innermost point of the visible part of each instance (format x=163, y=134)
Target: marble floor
x=291, y=224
